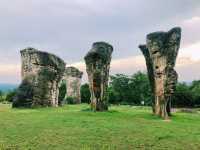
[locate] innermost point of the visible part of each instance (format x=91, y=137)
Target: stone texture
x=160, y=54
x=97, y=66
x=73, y=84
x=41, y=73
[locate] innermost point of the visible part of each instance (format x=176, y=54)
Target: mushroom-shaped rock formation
x=41, y=73
x=73, y=84
x=97, y=66
x=160, y=54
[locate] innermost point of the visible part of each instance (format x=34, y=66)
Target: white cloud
x=7, y=69
x=192, y=51
x=190, y=31
x=187, y=64
x=10, y=73
x=192, y=21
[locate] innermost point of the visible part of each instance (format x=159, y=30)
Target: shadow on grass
x=137, y=115
x=86, y=110
x=149, y=116
x=89, y=110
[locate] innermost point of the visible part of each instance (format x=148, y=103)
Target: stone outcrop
x=41, y=73
x=160, y=54
x=73, y=84
x=97, y=66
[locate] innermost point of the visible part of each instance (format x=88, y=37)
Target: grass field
x=74, y=127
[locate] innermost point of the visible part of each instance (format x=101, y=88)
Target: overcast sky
x=68, y=28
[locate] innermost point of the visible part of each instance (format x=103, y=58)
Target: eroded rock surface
x=160, y=53
x=41, y=73
x=97, y=66
x=73, y=84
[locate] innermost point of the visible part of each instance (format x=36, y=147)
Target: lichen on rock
x=160, y=54
x=41, y=73
x=73, y=76
x=97, y=66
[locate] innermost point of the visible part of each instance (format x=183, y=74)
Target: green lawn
x=74, y=127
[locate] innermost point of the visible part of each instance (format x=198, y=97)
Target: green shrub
x=85, y=93
x=70, y=100
x=2, y=96
x=10, y=95
x=24, y=93
x=183, y=96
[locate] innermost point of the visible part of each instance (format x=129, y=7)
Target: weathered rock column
x=97, y=66
x=160, y=53
x=41, y=72
x=73, y=84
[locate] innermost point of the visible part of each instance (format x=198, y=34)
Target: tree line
x=136, y=90
x=132, y=90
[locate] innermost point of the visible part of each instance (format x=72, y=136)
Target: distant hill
x=4, y=87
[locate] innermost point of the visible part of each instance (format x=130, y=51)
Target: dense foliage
x=183, y=96
x=1, y=96
x=24, y=93
x=85, y=93
x=135, y=90
x=69, y=100
x=10, y=95
x=187, y=95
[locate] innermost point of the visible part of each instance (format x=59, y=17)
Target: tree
x=1, y=96
x=112, y=98
x=195, y=89
x=130, y=90
x=85, y=93
x=10, y=95
x=183, y=96
x=119, y=83
x=140, y=87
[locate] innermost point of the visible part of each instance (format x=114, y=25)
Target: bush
x=195, y=89
x=70, y=100
x=85, y=93
x=2, y=98
x=24, y=94
x=10, y=95
x=112, y=96
x=183, y=96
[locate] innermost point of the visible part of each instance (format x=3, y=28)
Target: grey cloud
x=68, y=28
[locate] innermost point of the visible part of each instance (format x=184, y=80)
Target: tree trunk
x=99, y=106
x=160, y=54
x=161, y=107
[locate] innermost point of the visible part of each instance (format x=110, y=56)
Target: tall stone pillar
x=97, y=66
x=41, y=72
x=73, y=84
x=160, y=54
